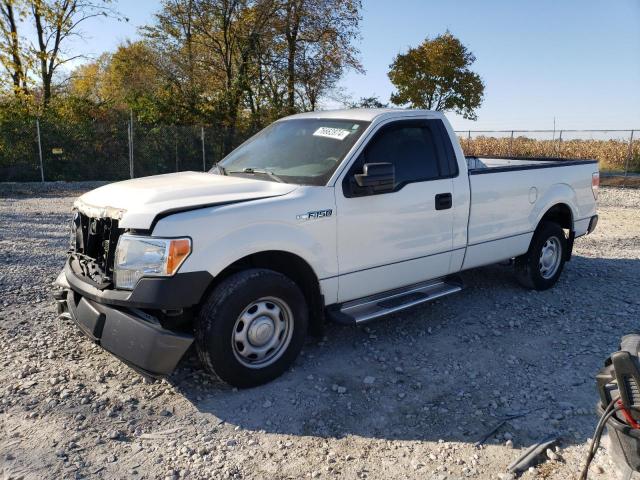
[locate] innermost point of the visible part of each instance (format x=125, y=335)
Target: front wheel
x=252, y=327
x=541, y=266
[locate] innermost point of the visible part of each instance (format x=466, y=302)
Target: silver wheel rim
x=550, y=257
x=262, y=332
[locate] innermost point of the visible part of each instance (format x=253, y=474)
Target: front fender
x=258, y=238
x=222, y=235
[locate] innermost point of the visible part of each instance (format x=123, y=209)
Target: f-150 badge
x=316, y=214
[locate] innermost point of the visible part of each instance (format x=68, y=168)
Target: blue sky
x=576, y=60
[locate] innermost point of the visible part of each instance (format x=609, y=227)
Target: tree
x=229, y=31
x=319, y=37
x=11, y=52
x=54, y=23
x=243, y=63
x=368, y=102
x=128, y=79
x=181, y=61
x=436, y=76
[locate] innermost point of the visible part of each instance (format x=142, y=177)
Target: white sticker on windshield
x=337, y=133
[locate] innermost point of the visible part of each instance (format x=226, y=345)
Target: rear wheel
x=541, y=266
x=252, y=327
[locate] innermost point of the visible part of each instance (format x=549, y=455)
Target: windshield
x=301, y=151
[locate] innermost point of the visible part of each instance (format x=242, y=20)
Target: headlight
x=138, y=257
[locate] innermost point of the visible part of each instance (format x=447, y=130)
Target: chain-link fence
x=49, y=150
x=165, y=149
x=618, y=151
x=42, y=150
x=86, y=151
x=19, y=155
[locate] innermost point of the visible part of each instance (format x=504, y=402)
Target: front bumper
x=111, y=319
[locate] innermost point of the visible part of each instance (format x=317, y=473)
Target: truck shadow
x=451, y=369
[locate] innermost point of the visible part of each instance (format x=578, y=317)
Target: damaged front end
x=93, y=247
x=144, y=327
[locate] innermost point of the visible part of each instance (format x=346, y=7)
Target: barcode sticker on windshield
x=337, y=133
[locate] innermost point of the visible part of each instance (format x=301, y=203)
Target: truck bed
x=493, y=164
x=505, y=207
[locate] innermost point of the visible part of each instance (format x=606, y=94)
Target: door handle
x=443, y=201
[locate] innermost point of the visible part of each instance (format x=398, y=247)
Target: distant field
x=612, y=154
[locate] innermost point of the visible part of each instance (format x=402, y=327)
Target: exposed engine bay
x=93, y=247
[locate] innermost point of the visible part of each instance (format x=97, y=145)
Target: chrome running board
x=369, y=308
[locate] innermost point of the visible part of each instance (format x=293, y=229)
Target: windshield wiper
x=259, y=171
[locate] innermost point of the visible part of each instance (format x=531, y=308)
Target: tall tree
x=436, y=76
x=56, y=21
x=11, y=54
x=230, y=31
x=128, y=79
x=293, y=16
x=319, y=37
x=319, y=68
x=181, y=61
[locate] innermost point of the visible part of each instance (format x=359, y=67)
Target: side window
x=411, y=149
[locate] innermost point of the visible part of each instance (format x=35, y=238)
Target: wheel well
x=292, y=266
x=560, y=214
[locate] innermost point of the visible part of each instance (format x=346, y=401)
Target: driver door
x=404, y=236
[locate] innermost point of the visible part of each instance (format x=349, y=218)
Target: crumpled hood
x=137, y=202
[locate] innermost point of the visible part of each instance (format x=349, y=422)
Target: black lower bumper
x=592, y=224
x=134, y=337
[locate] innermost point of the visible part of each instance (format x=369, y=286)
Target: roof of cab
x=362, y=114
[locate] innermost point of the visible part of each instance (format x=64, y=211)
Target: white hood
x=137, y=202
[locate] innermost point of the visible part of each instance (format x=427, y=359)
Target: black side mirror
x=377, y=177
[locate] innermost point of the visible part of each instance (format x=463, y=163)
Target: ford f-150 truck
x=345, y=215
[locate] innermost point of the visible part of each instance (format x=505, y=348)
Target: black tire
x=530, y=271
x=220, y=317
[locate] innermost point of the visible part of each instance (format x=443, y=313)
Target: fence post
x=511, y=144
x=204, y=161
x=175, y=146
x=131, y=143
x=559, y=144
x=626, y=164
x=469, y=143
x=40, y=150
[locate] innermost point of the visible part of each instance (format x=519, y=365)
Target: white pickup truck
x=348, y=215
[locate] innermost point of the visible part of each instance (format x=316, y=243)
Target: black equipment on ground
x=618, y=384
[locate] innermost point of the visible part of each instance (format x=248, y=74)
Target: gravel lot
x=405, y=397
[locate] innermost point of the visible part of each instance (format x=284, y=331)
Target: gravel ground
x=405, y=397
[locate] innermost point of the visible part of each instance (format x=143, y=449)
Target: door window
x=411, y=149
x=415, y=148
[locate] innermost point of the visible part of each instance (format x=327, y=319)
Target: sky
x=575, y=60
